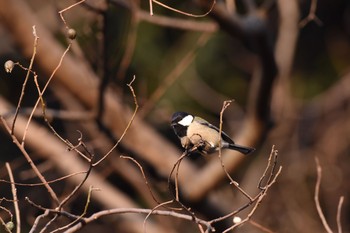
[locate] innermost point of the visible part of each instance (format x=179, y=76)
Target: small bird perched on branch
x=195, y=131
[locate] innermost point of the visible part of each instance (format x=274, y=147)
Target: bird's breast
x=198, y=133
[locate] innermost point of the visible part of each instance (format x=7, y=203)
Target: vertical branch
x=225, y=105
x=40, y=99
x=340, y=204
x=127, y=127
x=316, y=197
x=15, y=200
x=25, y=80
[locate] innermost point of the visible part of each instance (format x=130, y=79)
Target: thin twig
x=143, y=175
x=40, y=98
x=272, y=179
x=91, y=188
x=183, y=12
x=311, y=16
x=260, y=198
x=37, y=220
x=127, y=127
x=273, y=153
x=68, y=8
x=30, y=162
x=260, y=227
x=40, y=184
x=103, y=213
x=5, y=225
x=316, y=197
x=64, y=201
x=225, y=105
x=15, y=199
x=340, y=204
x=184, y=154
x=153, y=209
x=35, y=44
x=49, y=223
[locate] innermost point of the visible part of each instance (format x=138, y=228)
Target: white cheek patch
x=186, y=121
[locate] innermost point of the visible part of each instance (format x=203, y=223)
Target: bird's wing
x=224, y=136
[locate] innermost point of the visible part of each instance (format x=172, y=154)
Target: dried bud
x=9, y=66
x=237, y=220
x=71, y=33
x=10, y=225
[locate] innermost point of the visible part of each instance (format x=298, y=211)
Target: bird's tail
x=243, y=149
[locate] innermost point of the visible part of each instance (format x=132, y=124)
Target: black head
x=180, y=121
x=178, y=116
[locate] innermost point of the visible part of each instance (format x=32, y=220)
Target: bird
x=194, y=131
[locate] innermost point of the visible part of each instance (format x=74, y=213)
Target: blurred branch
x=130, y=42
x=311, y=16
x=288, y=32
x=174, y=74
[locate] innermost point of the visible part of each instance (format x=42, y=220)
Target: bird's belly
x=203, y=135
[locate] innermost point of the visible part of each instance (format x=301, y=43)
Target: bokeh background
x=284, y=63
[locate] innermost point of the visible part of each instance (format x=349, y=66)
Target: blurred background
x=284, y=63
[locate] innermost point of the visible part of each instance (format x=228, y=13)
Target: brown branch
x=260, y=227
x=25, y=80
x=316, y=197
x=66, y=9
x=311, y=16
x=30, y=161
x=258, y=108
x=143, y=175
x=53, y=150
x=183, y=24
x=15, y=199
x=140, y=135
x=127, y=127
x=340, y=204
x=182, y=12
x=37, y=220
x=103, y=213
x=259, y=197
x=225, y=105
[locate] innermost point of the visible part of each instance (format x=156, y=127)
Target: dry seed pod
x=71, y=33
x=9, y=66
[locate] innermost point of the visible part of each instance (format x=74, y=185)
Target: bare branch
x=25, y=80
x=311, y=16
x=225, y=105
x=182, y=12
x=30, y=161
x=316, y=197
x=340, y=204
x=127, y=127
x=15, y=199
